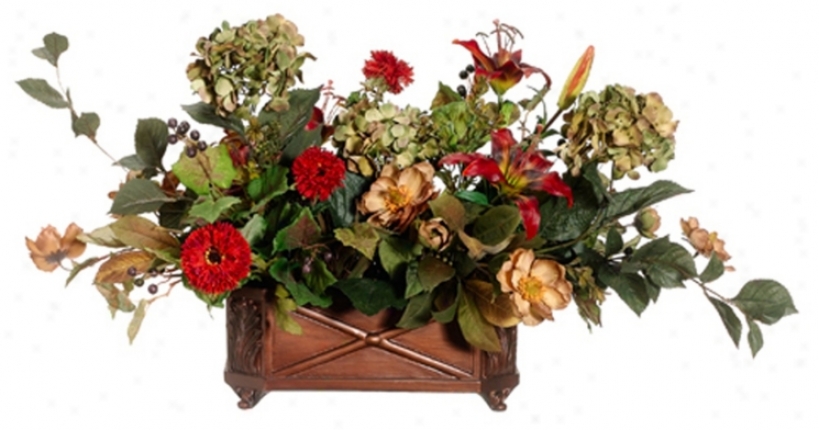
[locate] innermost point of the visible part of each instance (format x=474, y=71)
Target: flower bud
x=647, y=222
x=577, y=79
x=434, y=235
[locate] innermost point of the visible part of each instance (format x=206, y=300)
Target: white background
x=741, y=78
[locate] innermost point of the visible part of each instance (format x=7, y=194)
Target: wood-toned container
x=343, y=349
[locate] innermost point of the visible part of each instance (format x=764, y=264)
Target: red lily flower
x=514, y=171
x=504, y=69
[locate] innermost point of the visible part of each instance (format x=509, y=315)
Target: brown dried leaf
x=115, y=270
x=498, y=311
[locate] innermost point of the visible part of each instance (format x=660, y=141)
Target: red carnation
x=396, y=73
x=318, y=173
x=215, y=258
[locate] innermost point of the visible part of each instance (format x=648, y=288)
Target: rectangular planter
x=343, y=349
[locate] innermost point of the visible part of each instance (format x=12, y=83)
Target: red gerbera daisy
x=396, y=73
x=317, y=173
x=215, y=258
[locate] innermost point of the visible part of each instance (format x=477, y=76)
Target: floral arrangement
x=355, y=198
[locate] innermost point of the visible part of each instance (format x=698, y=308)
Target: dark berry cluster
x=464, y=74
x=180, y=131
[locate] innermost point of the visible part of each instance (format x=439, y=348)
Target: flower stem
x=707, y=291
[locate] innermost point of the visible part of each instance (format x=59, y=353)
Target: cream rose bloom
x=397, y=197
x=537, y=286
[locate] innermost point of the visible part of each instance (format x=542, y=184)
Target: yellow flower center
x=397, y=198
x=531, y=289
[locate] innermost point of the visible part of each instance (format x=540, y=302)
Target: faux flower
x=514, y=172
x=434, y=234
x=504, y=69
x=397, y=197
x=215, y=258
x=396, y=73
x=647, y=222
x=318, y=173
x=704, y=242
x=537, y=286
x=576, y=80
x=50, y=249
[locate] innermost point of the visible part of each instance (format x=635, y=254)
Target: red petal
x=485, y=168
x=530, y=214
x=502, y=142
x=477, y=54
x=555, y=186
x=315, y=120
x=459, y=157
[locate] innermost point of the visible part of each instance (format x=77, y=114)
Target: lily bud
x=577, y=79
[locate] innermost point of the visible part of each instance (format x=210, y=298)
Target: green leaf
x=496, y=225
x=210, y=210
x=116, y=298
x=301, y=233
x=136, y=321
x=171, y=214
x=41, y=91
x=394, y=254
x=362, y=237
x=319, y=277
x=764, y=300
x=282, y=271
x=272, y=183
x=614, y=242
x=53, y=46
x=284, y=306
x=447, y=311
x=254, y=229
x=631, y=287
x=755, y=340
x=102, y=236
x=342, y=201
x=414, y=286
x=713, y=270
x=666, y=263
x=592, y=176
x=139, y=196
x=151, y=139
x=298, y=142
x=370, y=295
x=79, y=267
x=131, y=162
x=445, y=96
x=293, y=119
x=473, y=197
x=141, y=233
x=451, y=210
x=86, y=124
x=476, y=330
x=418, y=312
x=214, y=166
x=433, y=272
x=205, y=113
x=630, y=201
x=729, y=319
x=559, y=222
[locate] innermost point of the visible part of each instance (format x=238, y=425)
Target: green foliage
x=210, y=168
x=628, y=202
x=729, y=319
x=361, y=236
x=204, y=113
x=301, y=233
x=139, y=196
x=370, y=296
x=496, y=224
x=764, y=300
x=342, y=201
x=44, y=93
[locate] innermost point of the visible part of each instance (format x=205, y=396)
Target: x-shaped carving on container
x=363, y=339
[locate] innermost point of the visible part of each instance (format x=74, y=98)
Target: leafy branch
x=85, y=123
